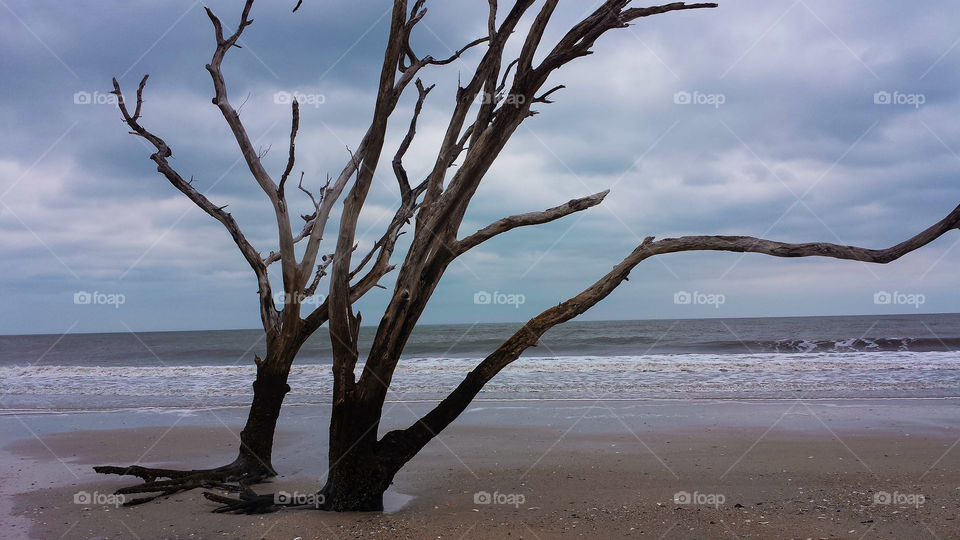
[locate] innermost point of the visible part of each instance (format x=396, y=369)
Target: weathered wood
x=411, y=440
x=525, y=220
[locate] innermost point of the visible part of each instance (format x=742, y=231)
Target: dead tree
x=287, y=328
x=361, y=463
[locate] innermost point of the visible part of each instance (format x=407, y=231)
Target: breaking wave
x=563, y=376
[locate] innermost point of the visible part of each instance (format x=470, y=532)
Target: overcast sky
x=787, y=134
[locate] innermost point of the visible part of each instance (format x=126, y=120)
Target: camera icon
x=282, y=98
x=682, y=97
x=282, y=497
x=485, y=98
x=82, y=298
x=482, y=497
x=881, y=98
x=882, y=497
x=82, y=98
x=482, y=298
x=82, y=497
x=682, y=298
x=882, y=298
x=682, y=497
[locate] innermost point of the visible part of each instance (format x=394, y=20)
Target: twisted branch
x=268, y=311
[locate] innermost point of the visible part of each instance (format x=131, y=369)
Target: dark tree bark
x=254, y=457
x=361, y=464
x=357, y=475
x=256, y=439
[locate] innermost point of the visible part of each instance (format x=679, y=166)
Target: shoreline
x=168, y=409
x=608, y=469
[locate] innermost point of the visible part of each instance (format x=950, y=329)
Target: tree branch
x=466, y=96
x=532, y=42
x=398, y=169
x=320, y=315
x=489, y=102
x=410, y=440
x=409, y=60
x=446, y=209
x=321, y=271
x=387, y=99
x=250, y=155
x=442, y=210
x=292, y=156
x=612, y=14
x=343, y=324
x=457, y=54
x=544, y=98
x=268, y=311
x=523, y=220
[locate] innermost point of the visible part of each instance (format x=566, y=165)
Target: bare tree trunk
x=357, y=474
x=256, y=439
x=254, y=458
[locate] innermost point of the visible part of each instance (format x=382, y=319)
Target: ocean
x=770, y=358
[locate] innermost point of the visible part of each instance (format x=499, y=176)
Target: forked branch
x=291, y=279
x=362, y=162
x=398, y=169
x=444, y=206
x=268, y=312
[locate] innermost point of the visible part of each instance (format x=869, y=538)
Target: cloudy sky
x=796, y=121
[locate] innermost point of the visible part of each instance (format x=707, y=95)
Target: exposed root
x=182, y=480
x=249, y=502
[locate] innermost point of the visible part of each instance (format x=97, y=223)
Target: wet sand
x=535, y=470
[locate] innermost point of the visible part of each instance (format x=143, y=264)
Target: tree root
x=249, y=502
x=182, y=480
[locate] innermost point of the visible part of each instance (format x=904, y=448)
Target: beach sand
x=564, y=469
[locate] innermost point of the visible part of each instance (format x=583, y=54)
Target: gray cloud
x=798, y=150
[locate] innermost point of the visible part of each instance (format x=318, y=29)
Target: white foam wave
x=565, y=375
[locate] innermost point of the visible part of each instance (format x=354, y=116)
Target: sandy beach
x=535, y=470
